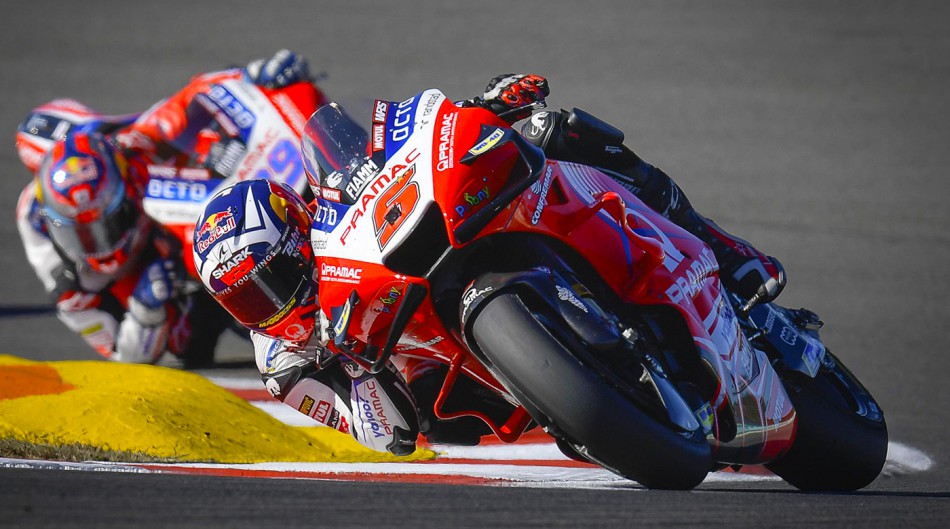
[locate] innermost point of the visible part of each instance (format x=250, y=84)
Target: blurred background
x=817, y=130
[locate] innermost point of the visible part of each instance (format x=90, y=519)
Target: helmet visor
x=270, y=291
x=98, y=238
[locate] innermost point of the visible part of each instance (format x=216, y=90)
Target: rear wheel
x=580, y=406
x=841, y=440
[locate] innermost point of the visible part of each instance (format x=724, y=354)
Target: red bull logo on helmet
x=74, y=171
x=214, y=227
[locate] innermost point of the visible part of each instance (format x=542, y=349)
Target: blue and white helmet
x=252, y=252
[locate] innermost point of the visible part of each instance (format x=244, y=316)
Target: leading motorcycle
x=443, y=235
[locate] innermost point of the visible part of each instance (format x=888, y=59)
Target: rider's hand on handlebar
x=514, y=96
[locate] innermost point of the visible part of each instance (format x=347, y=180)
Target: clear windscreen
x=334, y=146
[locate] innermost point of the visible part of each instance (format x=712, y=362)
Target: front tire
x=841, y=440
x=580, y=406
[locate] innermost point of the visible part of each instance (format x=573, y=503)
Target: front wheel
x=841, y=440
x=578, y=405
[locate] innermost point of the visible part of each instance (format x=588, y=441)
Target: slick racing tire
x=841, y=440
x=578, y=405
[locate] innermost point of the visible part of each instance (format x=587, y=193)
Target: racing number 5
x=394, y=206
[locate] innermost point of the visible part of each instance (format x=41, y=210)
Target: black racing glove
x=514, y=96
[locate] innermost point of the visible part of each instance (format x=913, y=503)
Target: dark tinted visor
x=97, y=238
x=269, y=291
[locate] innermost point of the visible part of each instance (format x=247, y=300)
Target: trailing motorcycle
x=442, y=234
x=253, y=131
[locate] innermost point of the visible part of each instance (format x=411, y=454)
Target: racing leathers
x=377, y=410
x=128, y=314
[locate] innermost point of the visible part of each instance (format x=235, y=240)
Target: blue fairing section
x=180, y=189
x=328, y=214
x=232, y=107
x=400, y=122
x=217, y=104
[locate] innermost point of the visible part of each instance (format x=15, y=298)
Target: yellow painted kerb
x=158, y=411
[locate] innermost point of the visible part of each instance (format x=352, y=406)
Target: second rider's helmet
x=253, y=254
x=93, y=212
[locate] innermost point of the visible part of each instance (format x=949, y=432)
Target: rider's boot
x=579, y=137
x=384, y=410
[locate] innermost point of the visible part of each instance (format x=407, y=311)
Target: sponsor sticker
x=399, y=124
x=446, y=149
x=306, y=405
x=380, y=110
x=323, y=411
x=331, y=194
x=178, y=189
x=364, y=174
x=542, y=192
x=472, y=200
x=234, y=108
x=486, y=144
x=214, y=227
x=340, y=274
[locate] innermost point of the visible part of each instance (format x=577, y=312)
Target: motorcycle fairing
x=595, y=216
x=584, y=209
x=268, y=121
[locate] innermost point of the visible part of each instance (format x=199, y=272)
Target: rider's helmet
x=93, y=213
x=253, y=254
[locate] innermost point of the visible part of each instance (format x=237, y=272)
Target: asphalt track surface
x=817, y=130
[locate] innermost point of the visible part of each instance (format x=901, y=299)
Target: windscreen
x=336, y=151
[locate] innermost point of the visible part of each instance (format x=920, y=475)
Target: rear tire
x=835, y=448
x=579, y=406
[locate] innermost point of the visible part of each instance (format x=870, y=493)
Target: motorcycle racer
x=113, y=273
x=278, y=301
x=110, y=269
x=254, y=255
